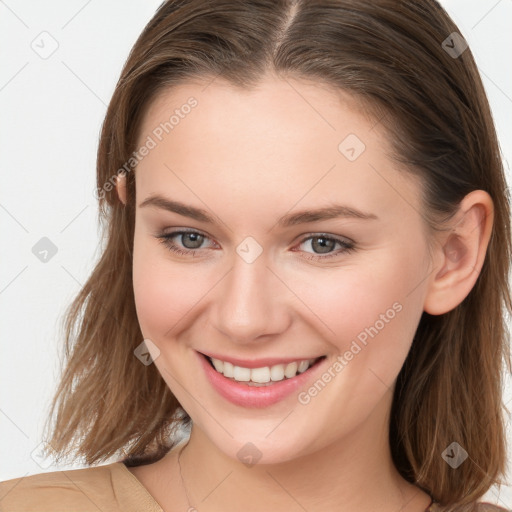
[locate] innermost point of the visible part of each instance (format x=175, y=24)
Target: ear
x=460, y=254
x=121, y=187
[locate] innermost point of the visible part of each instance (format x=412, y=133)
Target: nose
x=250, y=303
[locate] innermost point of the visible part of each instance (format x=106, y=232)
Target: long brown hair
x=392, y=57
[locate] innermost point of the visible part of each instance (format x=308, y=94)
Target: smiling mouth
x=265, y=376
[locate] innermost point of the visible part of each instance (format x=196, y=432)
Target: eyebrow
x=301, y=217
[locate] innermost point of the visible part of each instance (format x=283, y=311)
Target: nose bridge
x=249, y=303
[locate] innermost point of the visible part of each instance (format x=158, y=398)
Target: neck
x=354, y=473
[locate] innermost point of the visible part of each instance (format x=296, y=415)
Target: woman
x=301, y=302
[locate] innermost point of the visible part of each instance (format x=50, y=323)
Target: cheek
x=367, y=305
x=164, y=291
x=373, y=324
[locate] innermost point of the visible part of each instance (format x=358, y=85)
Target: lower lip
x=256, y=396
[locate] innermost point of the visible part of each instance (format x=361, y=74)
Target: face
x=254, y=283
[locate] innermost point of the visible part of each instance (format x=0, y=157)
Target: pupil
x=196, y=239
x=326, y=244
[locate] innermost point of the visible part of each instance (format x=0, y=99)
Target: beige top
x=108, y=488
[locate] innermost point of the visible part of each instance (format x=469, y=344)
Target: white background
x=52, y=110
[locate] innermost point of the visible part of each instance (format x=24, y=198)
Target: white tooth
x=260, y=375
x=228, y=369
x=290, y=370
x=303, y=366
x=263, y=375
x=241, y=374
x=277, y=372
x=219, y=365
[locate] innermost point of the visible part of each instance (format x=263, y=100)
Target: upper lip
x=258, y=363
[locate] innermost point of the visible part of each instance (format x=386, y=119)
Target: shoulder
x=473, y=507
x=489, y=507
x=76, y=489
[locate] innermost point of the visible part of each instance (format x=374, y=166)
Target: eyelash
x=165, y=238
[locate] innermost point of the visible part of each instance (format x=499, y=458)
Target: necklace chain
x=193, y=509
x=190, y=509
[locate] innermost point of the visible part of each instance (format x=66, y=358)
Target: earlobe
x=121, y=187
x=461, y=255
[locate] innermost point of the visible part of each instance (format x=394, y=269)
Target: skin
x=249, y=157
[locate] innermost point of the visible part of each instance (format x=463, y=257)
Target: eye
x=323, y=245
x=192, y=241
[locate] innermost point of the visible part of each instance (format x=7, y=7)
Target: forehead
x=281, y=140
x=303, y=106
